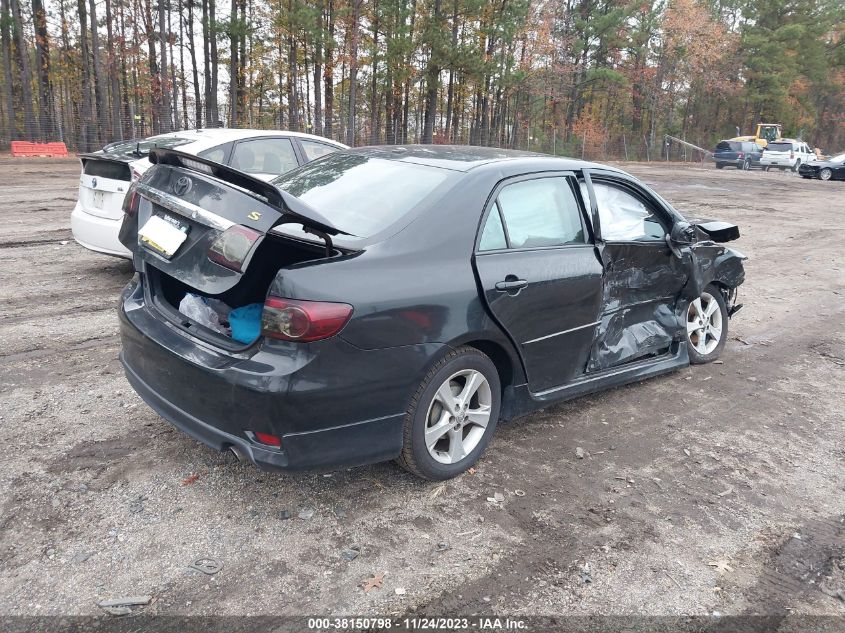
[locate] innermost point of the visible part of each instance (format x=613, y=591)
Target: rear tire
x=746, y=165
x=766, y=168
x=796, y=165
x=451, y=416
x=720, y=165
x=707, y=326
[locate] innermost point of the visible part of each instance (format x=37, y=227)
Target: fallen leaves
x=369, y=584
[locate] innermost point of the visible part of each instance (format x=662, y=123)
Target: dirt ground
x=718, y=488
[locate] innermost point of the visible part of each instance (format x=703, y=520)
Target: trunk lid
x=188, y=203
x=103, y=185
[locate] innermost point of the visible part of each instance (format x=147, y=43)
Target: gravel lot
x=716, y=488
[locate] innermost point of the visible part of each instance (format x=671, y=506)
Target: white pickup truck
x=786, y=153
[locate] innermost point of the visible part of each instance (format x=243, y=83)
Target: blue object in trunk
x=246, y=322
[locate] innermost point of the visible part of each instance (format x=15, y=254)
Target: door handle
x=511, y=283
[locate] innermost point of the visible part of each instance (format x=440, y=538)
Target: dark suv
x=741, y=154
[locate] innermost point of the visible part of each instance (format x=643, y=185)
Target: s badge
x=255, y=216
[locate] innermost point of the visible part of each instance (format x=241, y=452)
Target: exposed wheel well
x=500, y=357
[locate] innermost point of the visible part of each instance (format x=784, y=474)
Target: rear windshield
x=360, y=194
x=106, y=169
x=141, y=147
x=729, y=146
x=779, y=147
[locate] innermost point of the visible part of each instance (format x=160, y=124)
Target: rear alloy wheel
x=707, y=326
x=452, y=415
x=746, y=165
x=825, y=174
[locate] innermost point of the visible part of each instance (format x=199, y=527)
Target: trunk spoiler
x=292, y=207
x=113, y=158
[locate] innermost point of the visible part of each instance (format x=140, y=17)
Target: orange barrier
x=25, y=148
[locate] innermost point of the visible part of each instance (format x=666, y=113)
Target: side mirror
x=682, y=233
x=719, y=231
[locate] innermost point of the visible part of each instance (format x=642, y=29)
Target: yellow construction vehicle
x=766, y=132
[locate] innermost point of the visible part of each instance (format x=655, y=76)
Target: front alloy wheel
x=452, y=415
x=825, y=174
x=707, y=326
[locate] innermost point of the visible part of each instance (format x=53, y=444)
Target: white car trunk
x=103, y=186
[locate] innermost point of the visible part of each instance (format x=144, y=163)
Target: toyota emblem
x=182, y=186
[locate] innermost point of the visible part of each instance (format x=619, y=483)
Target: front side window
x=541, y=212
x=314, y=150
x=264, y=156
x=625, y=217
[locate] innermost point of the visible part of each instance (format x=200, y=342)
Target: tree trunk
x=163, y=35
x=103, y=114
x=293, y=100
x=42, y=62
x=30, y=125
x=328, y=72
x=87, y=106
x=114, y=91
x=318, y=70
x=192, y=51
x=234, y=66
x=8, y=93
x=432, y=74
x=353, y=71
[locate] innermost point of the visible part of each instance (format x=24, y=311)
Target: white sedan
x=107, y=174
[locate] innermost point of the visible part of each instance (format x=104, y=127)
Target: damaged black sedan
x=398, y=302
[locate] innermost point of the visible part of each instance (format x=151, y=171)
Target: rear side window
x=728, y=146
x=217, y=154
x=264, y=156
x=107, y=169
x=541, y=212
x=314, y=149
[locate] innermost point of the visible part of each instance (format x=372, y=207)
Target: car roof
x=203, y=138
x=464, y=158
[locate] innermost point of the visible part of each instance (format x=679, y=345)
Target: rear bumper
x=96, y=233
x=336, y=406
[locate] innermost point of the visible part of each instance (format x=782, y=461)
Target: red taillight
x=269, y=440
x=233, y=247
x=740, y=155
x=136, y=175
x=131, y=202
x=791, y=155
x=292, y=320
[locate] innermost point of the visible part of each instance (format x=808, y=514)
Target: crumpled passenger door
x=642, y=278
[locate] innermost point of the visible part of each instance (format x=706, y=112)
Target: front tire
x=746, y=165
x=707, y=326
x=452, y=415
x=825, y=174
